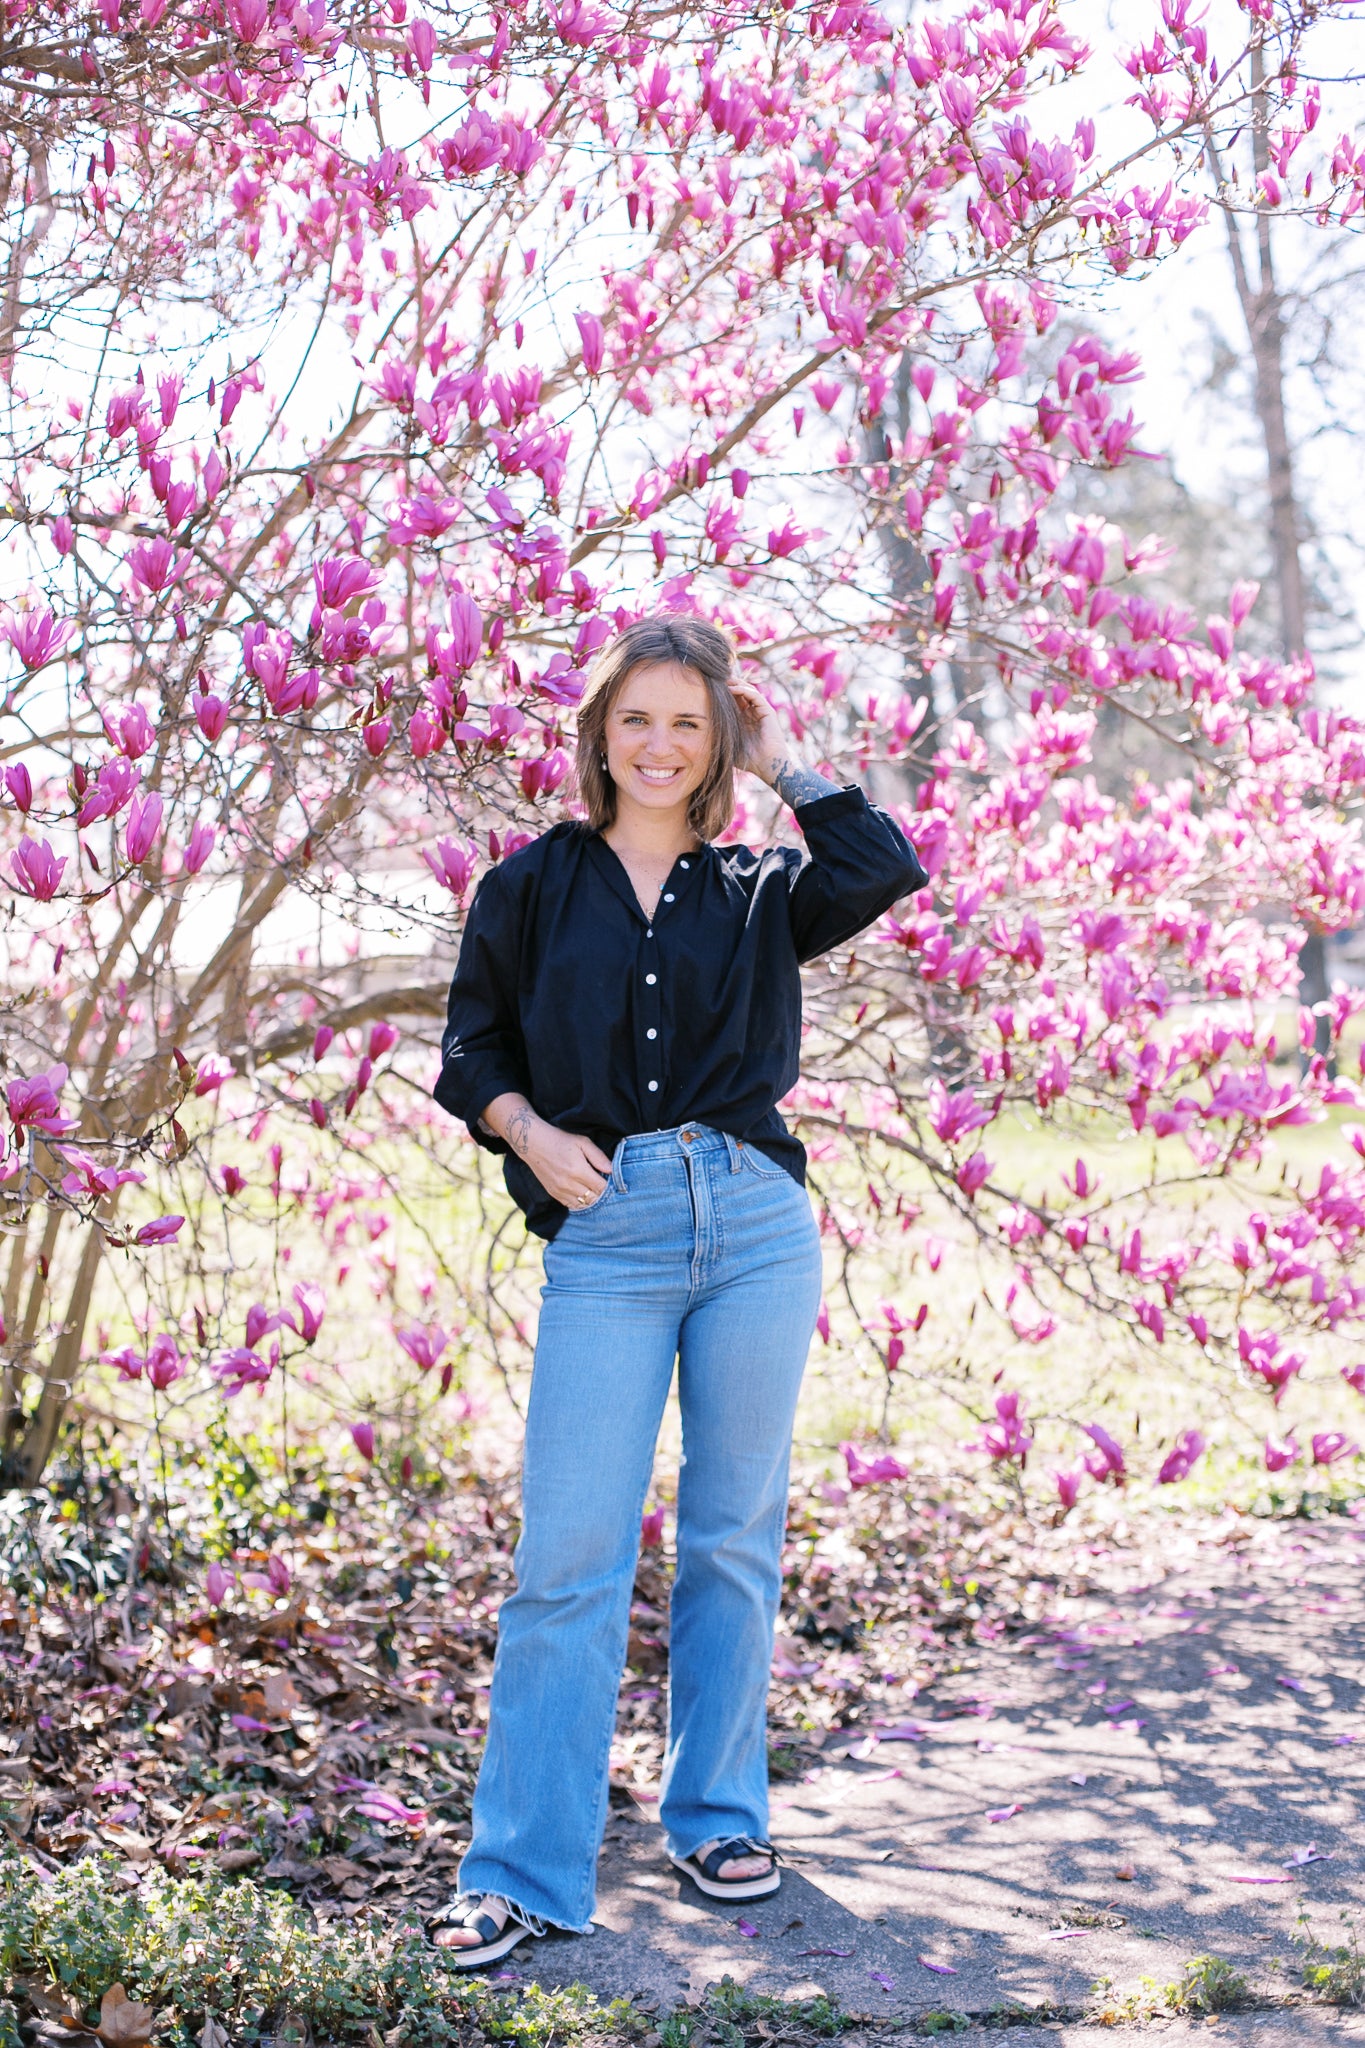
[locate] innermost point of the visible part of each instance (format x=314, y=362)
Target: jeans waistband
x=688, y=1139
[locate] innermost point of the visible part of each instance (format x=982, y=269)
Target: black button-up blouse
x=612, y=1023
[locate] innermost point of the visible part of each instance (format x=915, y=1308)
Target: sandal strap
x=731, y=1851
x=466, y=1910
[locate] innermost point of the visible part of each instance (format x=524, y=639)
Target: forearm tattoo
x=519, y=1126
x=797, y=784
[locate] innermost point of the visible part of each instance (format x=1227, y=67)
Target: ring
x=583, y=1201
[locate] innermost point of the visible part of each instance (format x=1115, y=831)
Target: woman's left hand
x=766, y=746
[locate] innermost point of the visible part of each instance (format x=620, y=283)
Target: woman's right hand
x=569, y=1167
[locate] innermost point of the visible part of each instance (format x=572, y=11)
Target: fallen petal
x=747, y=1929
x=942, y=1969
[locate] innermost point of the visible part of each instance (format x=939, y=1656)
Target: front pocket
x=759, y=1164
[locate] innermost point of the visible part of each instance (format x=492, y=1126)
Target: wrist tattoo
x=519, y=1126
x=797, y=784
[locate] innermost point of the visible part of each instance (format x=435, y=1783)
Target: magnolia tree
x=367, y=368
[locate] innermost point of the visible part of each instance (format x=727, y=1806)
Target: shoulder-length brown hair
x=710, y=653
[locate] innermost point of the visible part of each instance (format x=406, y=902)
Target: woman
x=624, y=1018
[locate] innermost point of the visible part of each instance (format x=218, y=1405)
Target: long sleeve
x=860, y=864
x=482, y=1054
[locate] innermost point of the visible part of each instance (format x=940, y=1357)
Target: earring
x=603, y=759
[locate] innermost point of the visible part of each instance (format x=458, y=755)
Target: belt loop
x=618, y=1177
x=734, y=1149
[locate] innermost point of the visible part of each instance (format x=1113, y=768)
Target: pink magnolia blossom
x=1008, y=1439
x=212, y=1071
x=37, y=869
x=452, y=864
x=239, y=1367
x=165, y=1365
x=362, y=1435
x=1331, y=1445
x=877, y=1471
x=1106, y=1461
x=423, y=1346
x=312, y=1305
x=36, y=636
x=143, y=827
x=161, y=1230
x=34, y=1104
x=202, y=842
x=593, y=338
x=210, y=715
x=1180, y=1461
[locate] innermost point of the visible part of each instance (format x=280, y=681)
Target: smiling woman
x=624, y=1018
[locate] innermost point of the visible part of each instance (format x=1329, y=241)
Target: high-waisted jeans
x=702, y=1251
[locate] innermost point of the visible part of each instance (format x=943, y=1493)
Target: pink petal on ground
x=1003, y=1812
x=1294, y=1684
x=824, y=1951
x=1312, y=1854
x=1248, y=1877
x=941, y=1969
x=747, y=1929
x=1068, y=1933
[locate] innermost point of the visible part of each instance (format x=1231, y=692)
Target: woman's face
x=658, y=736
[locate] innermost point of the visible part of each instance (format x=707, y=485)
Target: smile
x=658, y=774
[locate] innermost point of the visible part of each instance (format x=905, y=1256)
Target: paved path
x=1172, y=1774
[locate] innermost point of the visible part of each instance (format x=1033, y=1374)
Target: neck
x=653, y=835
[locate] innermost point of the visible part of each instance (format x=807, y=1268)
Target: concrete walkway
x=1176, y=1773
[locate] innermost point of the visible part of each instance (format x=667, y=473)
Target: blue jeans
x=703, y=1251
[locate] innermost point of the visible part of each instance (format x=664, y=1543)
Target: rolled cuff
x=467, y=1085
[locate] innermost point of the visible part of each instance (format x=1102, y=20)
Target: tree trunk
x=1262, y=309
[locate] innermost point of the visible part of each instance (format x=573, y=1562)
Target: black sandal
x=704, y=1873
x=466, y=1910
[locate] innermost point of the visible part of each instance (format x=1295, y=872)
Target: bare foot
x=737, y=1867
x=469, y=1937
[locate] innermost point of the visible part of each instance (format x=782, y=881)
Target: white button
x=651, y=1033
x=684, y=863
x=650, y=933
x=651, y=979
x=668, y=899
x=653, y=1087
